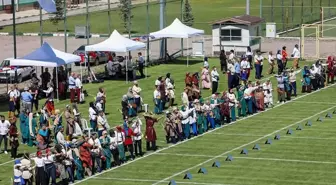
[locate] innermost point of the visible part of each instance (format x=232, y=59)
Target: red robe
x=225, y=109
x=330, y=63
x=85, y=155
x=195, y=80
x=150, y=130
x=188, y=80
x=128, y=138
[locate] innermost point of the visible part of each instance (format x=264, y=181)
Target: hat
x=196, y=101
x=38, y=153
x=135, y=82
x=26, y=88
x=104, y=132
x=118, y=128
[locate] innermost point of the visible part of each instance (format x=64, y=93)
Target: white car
x=7, y=72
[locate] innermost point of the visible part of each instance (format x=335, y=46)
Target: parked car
x=96, y=57
x=7, y=72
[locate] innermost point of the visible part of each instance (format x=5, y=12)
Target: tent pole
x=57, y=84
x=146, y=64
x=187, y=52
x=127, y=60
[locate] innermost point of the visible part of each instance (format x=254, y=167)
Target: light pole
x=109, y=15
x=14, y=28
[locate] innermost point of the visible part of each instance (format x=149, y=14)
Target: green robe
x=31, y=138
x=105, y=143
x=24, y=127
x=201, y=123
x=243, y=107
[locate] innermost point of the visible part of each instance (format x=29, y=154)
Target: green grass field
x=203, y=11
x=288, y=160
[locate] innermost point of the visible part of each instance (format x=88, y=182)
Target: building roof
x=242, y=19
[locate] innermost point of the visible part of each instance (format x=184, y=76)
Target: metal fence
x=290, y=14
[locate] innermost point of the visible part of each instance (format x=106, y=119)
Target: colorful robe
x=242, y=108
x=105, y=143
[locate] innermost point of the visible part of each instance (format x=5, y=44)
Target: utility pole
x=247, y=7
x=14, y=28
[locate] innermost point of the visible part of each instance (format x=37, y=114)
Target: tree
x=188, y=17
x=125, y=13
x=59, y=14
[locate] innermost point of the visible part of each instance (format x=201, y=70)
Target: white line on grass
x=265, y=136
x=319, y=103
x=251, y=158
x=151, y=180
x=255, y=135
x=177, y=144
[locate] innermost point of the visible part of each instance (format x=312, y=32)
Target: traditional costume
x=86, y=158
x=105, y=144
x=233, y=101
x=150, y=132
x=281, y=89
x=306, y=82
x=170, y=128
x=13, y=137
x=206, y=83
x=331, y=69
x=24, y=127
x=128, y=139
x=242, y=109
x=120, y=138
x=157, y=102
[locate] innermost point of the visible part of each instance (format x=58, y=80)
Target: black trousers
x=149, y=147
x=141, y=70
x=5, y=138
x=35, y=102
x=214, y=87
x=115, y=154
x=40, y=177
x=138, y=147
x=17, y=105
x=130, y=148
x=14, y=152
x=224, y=66
x=50, y=170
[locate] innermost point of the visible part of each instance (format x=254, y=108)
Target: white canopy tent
x=178, y=30
x=46, y=56
x=117, y=43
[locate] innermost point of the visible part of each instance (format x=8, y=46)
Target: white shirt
x=206, y=64
x=232, y=98
x=100, y=94
x=49, y=159
x=157, y=82
x=137, y=130
x=258, y=58
x=248, y=53
x=39, y=162
x=17, y=93
x=296, y=53
x=192, y=117
x=101, y=123
x=136, y=91
x=4, y=127
x=267, y=87
x=60, y=138
x=214, y=75
x=231, y=68
x=113, y=143
x=245, y=64
x=231, y=56
x=11, y=94
x=248, y=91
x=120, y=137
x=156, y=94
x=185, y=99
x=78, y=83
x=92, y=113
x=99, y=106
x=270, y=59
x=95, y=143
x=279, y=56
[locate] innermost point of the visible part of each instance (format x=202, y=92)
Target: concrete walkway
x=34, y=15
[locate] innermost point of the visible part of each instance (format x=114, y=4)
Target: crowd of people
x=72, y=149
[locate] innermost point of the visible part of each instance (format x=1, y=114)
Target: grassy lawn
x=115, y=89
x=204, y=12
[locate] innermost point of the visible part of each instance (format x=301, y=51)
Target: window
x=231, y=35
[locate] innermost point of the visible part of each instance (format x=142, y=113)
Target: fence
x=290, y=14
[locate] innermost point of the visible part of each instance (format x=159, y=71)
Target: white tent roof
x=116, y=43
x=177, y=30
x=46, y=56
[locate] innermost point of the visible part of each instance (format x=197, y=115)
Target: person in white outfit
x=4, y=129
x=136, y=126
x=296, y=56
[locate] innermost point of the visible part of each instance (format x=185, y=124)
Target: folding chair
x=86, y=127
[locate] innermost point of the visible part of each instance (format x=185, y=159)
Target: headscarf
x=130, y=93
x=125, y=128
x=124, y=98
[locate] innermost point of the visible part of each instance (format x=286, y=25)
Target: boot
x=167, y=139
x=303, y=89
x=309, y=89
x=173, y=139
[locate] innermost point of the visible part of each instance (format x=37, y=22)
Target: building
x=236, y=33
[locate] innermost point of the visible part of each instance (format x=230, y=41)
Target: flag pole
x=109, y=15
x=41, y=32
x=147, y=49
x=65, y=27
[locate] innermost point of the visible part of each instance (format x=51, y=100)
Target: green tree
x=59, y=14
x=126, y=13
x=188, y=17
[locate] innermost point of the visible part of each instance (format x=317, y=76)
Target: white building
x=236, y=34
